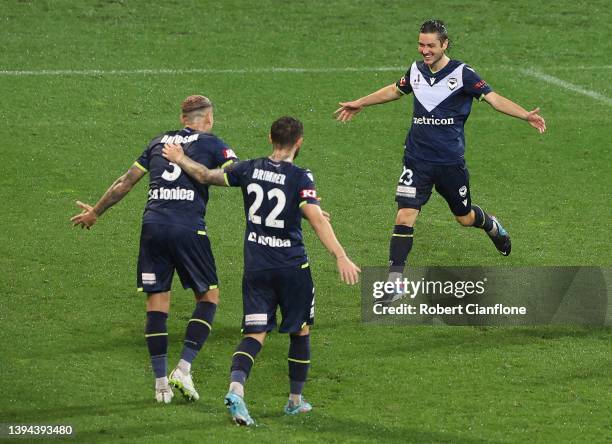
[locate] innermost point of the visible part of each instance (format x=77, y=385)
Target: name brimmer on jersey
x=277, y=195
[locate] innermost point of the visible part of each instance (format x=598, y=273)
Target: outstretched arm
x=175, y=154
x=507, y=106
x=348, y=109
x=349, y=272
x=114, y=194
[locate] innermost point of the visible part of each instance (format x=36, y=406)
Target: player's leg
x=195, y=266
x=154, y=277
x=259, y=307
x=242, y=362
x=413, y=191
x=453, y=184
x=299, y=364
x=297, y=305
x=198, y=329
x=156, y=335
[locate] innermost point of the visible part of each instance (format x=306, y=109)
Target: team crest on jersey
x=452, y=83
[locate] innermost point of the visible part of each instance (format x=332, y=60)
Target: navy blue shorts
x=291, y=289
x=419, y=177
x=165, y=248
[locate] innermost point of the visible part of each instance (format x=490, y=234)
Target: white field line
x=271, y=70
x=566, y=85
x=153, y=72
x=102, y=72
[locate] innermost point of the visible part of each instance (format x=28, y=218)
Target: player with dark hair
x=277, y=194
x=173, y=238
x=435, y=145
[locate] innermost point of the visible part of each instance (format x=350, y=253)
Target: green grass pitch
x=73, y=350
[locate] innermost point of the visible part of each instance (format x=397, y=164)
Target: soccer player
x=277, y=194
x=434, y=149
x=173, y=238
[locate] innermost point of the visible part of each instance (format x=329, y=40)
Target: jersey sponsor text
x=268, y=241
x=171, y=194
x=432, y=121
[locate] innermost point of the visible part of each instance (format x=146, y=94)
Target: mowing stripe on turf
x=566, y=85
x=271, y=70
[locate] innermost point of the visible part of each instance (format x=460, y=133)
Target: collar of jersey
x=438, y=75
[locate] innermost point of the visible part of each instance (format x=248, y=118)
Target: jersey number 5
x=271, y=220
x=172, y=176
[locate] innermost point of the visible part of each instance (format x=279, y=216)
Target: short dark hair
x=434, y=25
x=286, y=131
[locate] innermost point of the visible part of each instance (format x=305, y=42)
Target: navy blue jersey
x=442, y=104
x=273, y=194
x=174, y=197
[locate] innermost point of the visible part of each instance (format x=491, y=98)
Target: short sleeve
x=307, y=191
x=223, y=154
x=403, y=84
x=235, y=174
x=142, y=163
x=474, y=85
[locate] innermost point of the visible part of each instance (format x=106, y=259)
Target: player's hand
x=87, y=218
x=536, y=120
x=349, y=272
x=173, y=152
x=326, y=215
x=347, y=110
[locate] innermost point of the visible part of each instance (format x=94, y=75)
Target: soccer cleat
x=237, y=408
x=164, y=394
x=501, y=239
x=400, y=293
x=183, y=382
x=295, y=409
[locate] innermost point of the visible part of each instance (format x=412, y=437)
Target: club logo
x=463, y=191
x=451, y=83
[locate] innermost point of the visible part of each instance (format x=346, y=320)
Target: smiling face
x=431, y=48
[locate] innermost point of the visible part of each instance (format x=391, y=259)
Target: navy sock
x=482, y=219
x=243, y=359
x=198, y=329
x=299, y=362
x=399, y=247
x=156, y=335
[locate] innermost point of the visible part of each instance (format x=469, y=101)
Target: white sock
x=295, y=399
x=161, y=383
x=237, y=388
x=184, y=366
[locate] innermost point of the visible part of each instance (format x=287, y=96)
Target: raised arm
x=348, y=109
x=114, y=194
x=349, y=272
x=507, y=106
x=175, y=154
